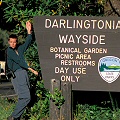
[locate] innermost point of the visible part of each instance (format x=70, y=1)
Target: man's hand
x=28, y=27
x=33, y=71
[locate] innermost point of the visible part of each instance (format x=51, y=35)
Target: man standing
x=17, y=64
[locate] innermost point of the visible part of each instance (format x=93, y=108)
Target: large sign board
x=84, y=51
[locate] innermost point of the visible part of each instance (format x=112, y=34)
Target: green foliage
x=57, y=98
x=41, y=107
x=18, y=12
x=87, y=112
x=40, y=112
x=3, y=39
x=32, y=59
x=113, y=103
x=6, y=107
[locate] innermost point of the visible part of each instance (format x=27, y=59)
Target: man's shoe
x=10, y=118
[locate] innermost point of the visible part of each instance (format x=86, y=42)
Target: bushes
x=87, y=112
x=18, y=13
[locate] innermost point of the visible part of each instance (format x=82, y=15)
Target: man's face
x=13, y=42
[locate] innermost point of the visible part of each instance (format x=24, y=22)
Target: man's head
x=13, y=40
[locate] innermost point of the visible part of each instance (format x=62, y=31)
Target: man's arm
x=29, y=37
x=28, y=27
x=12, y=55
x=33, y=71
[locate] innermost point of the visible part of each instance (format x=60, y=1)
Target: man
x=17, y=64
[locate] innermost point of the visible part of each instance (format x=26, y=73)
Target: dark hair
x=13, y=36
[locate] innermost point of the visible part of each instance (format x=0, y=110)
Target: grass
x=6, y=107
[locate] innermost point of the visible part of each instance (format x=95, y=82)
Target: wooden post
x=54, y=111
x=65, y=111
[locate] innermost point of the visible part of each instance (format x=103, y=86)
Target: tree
x=112, y=8
x=18, y=12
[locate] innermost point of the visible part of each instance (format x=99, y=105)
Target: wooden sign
x=84, y=51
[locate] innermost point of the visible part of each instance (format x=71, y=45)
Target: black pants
x=22, y=88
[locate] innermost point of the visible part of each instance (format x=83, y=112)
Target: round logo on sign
x=109, y=68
